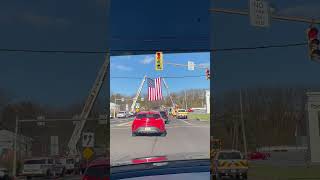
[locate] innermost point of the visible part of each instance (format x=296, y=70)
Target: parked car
x=41, y=166
x=97, y=169
x=258, y=156
x=122, y=114
x=4, y=174
x=148, y=122
x=190, y=110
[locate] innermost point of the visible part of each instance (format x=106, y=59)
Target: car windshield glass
x=151, y=94
x=229, y=155
x=97, y=171
x=36, y=161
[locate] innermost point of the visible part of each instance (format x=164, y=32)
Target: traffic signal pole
x=278, y=17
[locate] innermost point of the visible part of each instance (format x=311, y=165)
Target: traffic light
x=313, y=43
x=207, y=74
x=159, y=61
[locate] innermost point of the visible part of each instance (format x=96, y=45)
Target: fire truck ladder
x=72, y=145
x=138, y=94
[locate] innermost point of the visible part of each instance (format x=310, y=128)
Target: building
x=7, y=138
x=114, y=108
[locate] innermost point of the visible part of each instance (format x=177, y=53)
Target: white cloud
x=122, y=67
x=147, y=60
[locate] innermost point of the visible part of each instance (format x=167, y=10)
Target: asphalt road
x=183, y=136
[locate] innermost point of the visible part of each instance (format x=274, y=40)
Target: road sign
x=88, y=139
x=259, y=13
x=190, y=65
x=159, y=61
x=87, y=153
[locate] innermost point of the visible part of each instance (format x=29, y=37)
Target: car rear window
x=97, y=171
x=140, y=116
x=37, y=161
x=229, y=155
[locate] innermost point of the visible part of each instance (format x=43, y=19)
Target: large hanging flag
x=154, y=89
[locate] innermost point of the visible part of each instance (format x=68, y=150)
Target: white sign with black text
x=88, y=139
x=259, y=13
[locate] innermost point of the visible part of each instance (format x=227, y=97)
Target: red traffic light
x=312, y=33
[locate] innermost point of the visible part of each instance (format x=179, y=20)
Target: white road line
x=185, y=122
x=124, y=124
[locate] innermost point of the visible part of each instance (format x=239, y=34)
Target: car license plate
x=147, y=129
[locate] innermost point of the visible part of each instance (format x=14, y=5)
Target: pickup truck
x=182, y=113
x=229, y=163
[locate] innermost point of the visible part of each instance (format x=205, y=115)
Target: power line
x=153, y=50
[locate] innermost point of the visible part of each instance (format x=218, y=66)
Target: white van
x=42, y=166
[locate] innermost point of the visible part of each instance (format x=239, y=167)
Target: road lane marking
x=185, y=122
x=124, y=124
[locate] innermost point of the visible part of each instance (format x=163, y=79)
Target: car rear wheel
x=164, y=134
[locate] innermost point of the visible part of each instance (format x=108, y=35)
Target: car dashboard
x=182, y=169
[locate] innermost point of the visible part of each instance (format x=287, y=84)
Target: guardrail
x=283, y=148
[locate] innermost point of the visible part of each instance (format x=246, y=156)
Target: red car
x=190, y=110
x=148, y=122
x=97, y=170
x=258, y=156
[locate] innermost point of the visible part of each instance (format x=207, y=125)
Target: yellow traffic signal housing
x=159, y=61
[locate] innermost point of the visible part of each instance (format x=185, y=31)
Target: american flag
x=154, y=89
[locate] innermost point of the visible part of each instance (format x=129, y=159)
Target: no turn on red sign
x=259, y=13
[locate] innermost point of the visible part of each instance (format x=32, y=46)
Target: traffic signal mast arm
x=278, y=17
x=72, y=145
x=185, y=65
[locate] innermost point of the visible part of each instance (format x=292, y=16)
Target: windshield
x=150, y=92
x=229, y=155
x=36, y=161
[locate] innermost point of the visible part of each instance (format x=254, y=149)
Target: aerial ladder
x=72, y=145
x=135, y=99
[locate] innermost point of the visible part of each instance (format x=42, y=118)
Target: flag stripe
x=154, y=89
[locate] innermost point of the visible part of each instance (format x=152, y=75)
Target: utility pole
x=242, y=126
x=185, y=99
x=14, y=168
